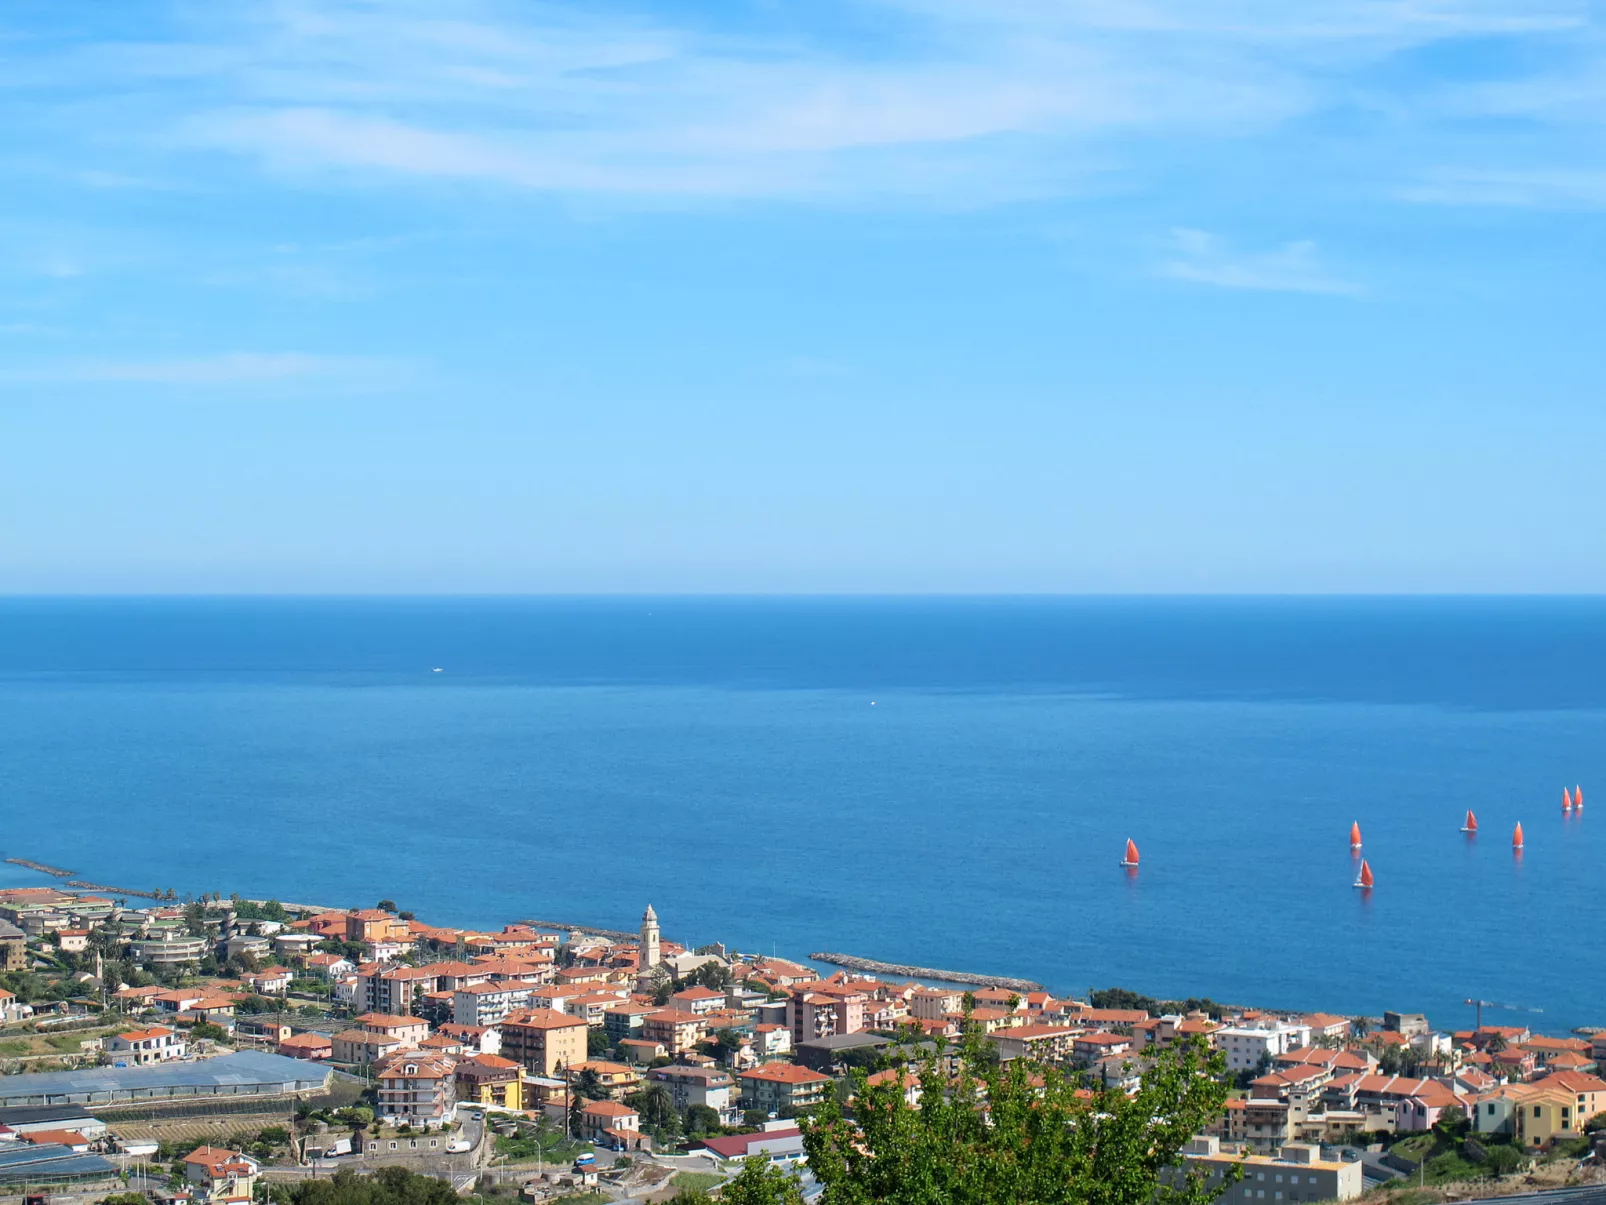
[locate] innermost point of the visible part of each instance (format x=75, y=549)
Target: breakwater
x=42, y=868
x=870, y=965
x=83, y=885
x=591, y=930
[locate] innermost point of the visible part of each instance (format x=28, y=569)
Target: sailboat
x=1566, y=800
x=1471, y=823
x=1578, y=799
x=1516, y=836
x=1364, y=879
x=1131, y=859
x=1355, y=835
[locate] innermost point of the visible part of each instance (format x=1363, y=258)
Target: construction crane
x=1480, y=1005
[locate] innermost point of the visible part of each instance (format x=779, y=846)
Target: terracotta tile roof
x=608, y=1108
x=429, y=1067
x=1575, y=1081
x=63, y=1137
x=307, y=1041
x=786, y=1073
x=544, y=1018
x=673, y=1016
x=388, y=1021
x=142, y=1035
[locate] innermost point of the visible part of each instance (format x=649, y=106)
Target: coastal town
x=198, y=1051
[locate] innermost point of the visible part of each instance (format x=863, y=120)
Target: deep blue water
x=722, y=758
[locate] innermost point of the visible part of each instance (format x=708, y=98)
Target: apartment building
x=489, y=1079
x=544, y=1040
x=710, y=1086
x=625, y=1020
x=1248, y=1046
x=1045, y=1043
x=678, y=1032
x=410, y=1031
x=490, y=1003
x=778, y=1086
x=419, y=1092
x=1296, y=1174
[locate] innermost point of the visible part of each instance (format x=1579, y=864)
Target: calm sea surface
x=946, y=782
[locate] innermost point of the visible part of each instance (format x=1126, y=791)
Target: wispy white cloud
x=234, y=369
x=1204, y=258
x=1531, y=188
x=958, y=99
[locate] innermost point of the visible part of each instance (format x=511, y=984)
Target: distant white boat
x=436, y=670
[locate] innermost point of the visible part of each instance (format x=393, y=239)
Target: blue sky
x=852, y=295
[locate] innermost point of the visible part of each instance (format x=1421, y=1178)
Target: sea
x=947, y=782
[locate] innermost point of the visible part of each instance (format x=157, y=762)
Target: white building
x=142, y=1047
x=1247, y=1046
x=484, y=1004
x=710, y=1086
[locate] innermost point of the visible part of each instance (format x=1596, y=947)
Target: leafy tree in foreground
x=387, y=1186
x=759, y=1182
x=1018, y=1134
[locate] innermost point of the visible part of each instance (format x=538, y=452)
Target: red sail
x=1566, y=800
x=1355, y=835
x=1516, y=836
x=1131, y=852
x=1366, y=875
x=1578, y=798
x=1472, y=822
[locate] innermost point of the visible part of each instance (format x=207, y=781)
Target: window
x=1536, y=1110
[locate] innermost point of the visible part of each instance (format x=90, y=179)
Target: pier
x=870, y=965
x=42, y=868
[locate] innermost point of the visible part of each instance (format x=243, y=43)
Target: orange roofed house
x=307, y=1046
x=370, y=926
x=142, y=1047
x=779, y=1086
x=221, y=1175
x=611, y=1124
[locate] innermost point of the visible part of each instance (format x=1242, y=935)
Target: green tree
x=597, y=1042
x=589, y=1083
x=701, y=1119
x=1503, y=1160
x=386, y=905
x=1452, y=1124
x=713, y=976
x=577, y=1115
x=1018, y=1133
x=656, y=1107
x=387, y=1186
x=759, y=1182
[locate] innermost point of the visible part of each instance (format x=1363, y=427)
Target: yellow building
x=489, y=1079
x=1548, y=1115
